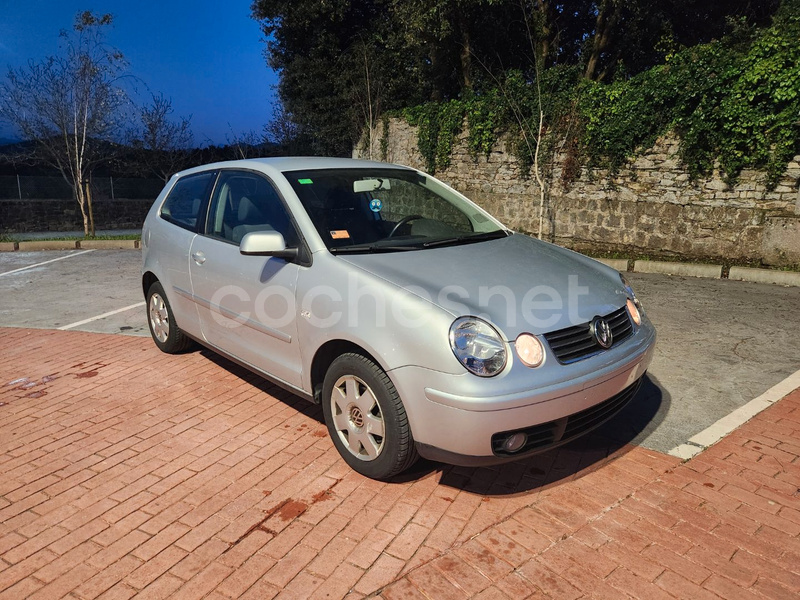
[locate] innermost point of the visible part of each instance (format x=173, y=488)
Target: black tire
x=394, y=450
x=165, y=331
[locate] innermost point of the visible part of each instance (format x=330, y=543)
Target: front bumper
x=457, y=428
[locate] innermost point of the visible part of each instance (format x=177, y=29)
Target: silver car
x=419, y=322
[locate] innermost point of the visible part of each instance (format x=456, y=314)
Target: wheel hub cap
x=357, y=418
x=159, y=318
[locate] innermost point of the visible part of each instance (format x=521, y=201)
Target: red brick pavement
x=127, y=472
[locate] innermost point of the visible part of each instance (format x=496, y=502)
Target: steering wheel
x=403, y=221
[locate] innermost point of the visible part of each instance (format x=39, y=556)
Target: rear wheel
x=366, y=418
x=165, y=331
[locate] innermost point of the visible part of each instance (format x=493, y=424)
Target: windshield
x=387, y=210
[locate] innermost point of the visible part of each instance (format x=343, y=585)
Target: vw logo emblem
x=601, y=332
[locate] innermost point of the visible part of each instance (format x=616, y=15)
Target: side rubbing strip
x=251, y=323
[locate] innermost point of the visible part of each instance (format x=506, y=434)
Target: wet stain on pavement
x=286, y=511
x=324, y=494
x=26, y=383
x=291, y=509
x=320, y=496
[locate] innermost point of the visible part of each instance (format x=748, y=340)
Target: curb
x=109, y=244
x=677, y=268
x=620, y=264
x=716, y=431
x=45, y=245
x=787, y=278
x=35, y=246
x=784, y=278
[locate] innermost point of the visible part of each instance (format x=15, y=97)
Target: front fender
x=337, y=301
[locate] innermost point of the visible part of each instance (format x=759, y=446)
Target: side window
x=245, y=202
x=184, y=201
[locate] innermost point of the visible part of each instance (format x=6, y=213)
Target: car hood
x=518, y=283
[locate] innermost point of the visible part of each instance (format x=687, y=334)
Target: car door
x=170, y=239
x=247, y=303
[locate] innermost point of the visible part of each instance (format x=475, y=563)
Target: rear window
x=182, y=206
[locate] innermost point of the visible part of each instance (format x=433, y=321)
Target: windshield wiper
x=462, y=239
x=372, y=248
x=467, y=239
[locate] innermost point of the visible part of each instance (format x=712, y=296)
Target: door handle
x=199, y=257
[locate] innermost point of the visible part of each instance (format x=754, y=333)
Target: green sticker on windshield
x=304, y=181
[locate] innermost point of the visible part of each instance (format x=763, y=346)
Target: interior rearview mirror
x=371, y=185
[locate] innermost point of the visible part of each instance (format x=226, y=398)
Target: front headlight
x=630, y=291
x=634, y=306
x=478, y=346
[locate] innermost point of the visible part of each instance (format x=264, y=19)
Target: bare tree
x=532, y=126
x=18, y=155
x=367, y=90
x=247, y=144
x=71, y=105
x=162, y=145
x=283, y=131
x=531, y=129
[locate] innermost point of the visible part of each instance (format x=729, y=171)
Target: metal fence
x=25, y=187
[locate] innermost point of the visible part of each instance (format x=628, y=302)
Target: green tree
x=313, y=45
x=734, y=101
x=343, y=62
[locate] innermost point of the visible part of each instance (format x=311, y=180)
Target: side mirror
x=266, y=243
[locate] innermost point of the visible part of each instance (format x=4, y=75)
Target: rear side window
x=182, y=206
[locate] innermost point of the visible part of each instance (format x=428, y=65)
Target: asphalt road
x=721, y=343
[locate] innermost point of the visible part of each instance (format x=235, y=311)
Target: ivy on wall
x=439, y=124
x=735, y=102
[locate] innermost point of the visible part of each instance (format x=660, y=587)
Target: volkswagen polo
x=419, y=322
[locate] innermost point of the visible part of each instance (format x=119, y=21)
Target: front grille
x=576, y=343
x=554, y=433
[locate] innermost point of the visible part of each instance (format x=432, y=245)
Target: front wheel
x=165, y=331
x=366, y=418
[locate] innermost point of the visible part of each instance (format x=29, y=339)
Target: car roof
x=283, y=164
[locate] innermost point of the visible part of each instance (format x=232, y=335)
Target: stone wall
x=24, y=216
x=651, y=206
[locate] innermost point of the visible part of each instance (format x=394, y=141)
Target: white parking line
x=103, y=316
x=45, y=262
x=711, y=435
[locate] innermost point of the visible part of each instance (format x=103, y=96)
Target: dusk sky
x=206, y=56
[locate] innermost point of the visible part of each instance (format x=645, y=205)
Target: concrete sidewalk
x=127, y=472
